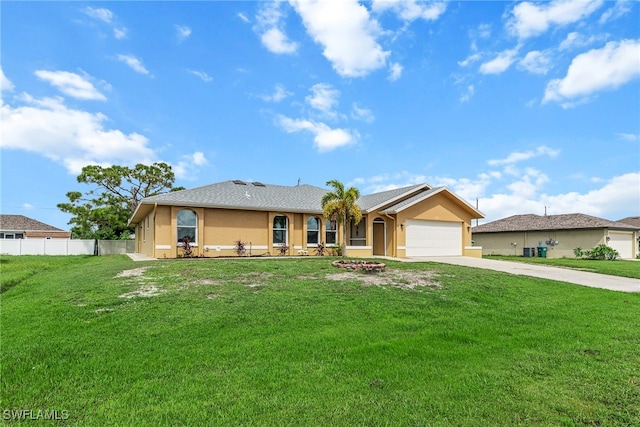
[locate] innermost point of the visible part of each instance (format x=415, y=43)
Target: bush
x=239, y=247
x=601, y=251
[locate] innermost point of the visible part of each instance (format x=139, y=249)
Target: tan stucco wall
x=219, y=229
x=438, y=208
x=568, y=240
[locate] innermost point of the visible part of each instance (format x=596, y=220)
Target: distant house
x=412, y=221
x=560, y=234
x=635, y=221
x=22, y=227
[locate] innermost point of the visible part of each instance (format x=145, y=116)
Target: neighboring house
x=410, y=221
x=560, y=234
x=22, y=227
x=635, y=221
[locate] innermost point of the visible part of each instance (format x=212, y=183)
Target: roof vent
x=239, y=182
x=258, y=184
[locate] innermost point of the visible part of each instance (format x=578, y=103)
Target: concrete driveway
x=593, y=280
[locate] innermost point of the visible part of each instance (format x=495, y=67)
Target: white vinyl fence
x=39, y=246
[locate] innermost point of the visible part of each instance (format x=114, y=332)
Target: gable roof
x=23, y=223
x=631, y=220
x=532, y=222
x=275, y=198
x=419, y=197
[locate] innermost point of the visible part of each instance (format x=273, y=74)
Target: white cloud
x=395, y=71
x=474, y=57
x=243, y=17
x=532, y=19
x=279, y=93
x=410, y=10
x=185, y=168
x=361, y=113
x=325, y=138
x=500, y=63
x=347, y=34
x=632, y=137
x=101, y=14
x=598, y=69
x=468, y=93
x=183, y=32
x=202, y=75
x=5, y=83
x=71, y=84
x=577, y=40
x=134, y=63
x=536, y=62
x=120, y=33
x=72, y=137
x=108, y=17
x=519, y=156
x=621, y=8
x=270, y=26
x=323, y=98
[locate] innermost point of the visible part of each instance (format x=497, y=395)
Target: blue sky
x=520, y=105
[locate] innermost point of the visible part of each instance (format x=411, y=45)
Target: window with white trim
x=187, y=226
x=332, y=232
x=313, y=231
x=280, y=225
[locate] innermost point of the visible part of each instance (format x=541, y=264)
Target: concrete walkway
x=593, y=280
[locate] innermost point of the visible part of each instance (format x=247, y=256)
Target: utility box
x=542, y=251
x=529, y=252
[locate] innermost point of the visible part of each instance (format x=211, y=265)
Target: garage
x=621, y=242
x=433, y=238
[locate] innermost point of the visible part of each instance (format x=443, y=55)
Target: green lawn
x=298, y=342
x=623, y=268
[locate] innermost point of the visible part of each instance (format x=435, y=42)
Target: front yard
x=106, y=341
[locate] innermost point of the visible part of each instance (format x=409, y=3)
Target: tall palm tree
x=340, y=205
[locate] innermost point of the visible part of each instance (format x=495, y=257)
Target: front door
x=379, y=237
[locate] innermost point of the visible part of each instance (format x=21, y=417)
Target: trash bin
x=529, y=252
x=542, y=251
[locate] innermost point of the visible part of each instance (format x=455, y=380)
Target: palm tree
x=340, y=205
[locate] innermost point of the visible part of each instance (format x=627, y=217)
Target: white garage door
x=433, y=238
x=622, y=242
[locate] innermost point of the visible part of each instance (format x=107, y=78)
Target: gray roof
x=376, y=200
x=23, y=223
x=532, y=222
x=248, y=195
x=257, y=196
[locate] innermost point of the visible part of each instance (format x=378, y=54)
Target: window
x=313, y=231
x=358, y=233
x=332, y=232
x=280, y=230
x=187, y=225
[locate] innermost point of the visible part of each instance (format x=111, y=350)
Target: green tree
x=340, y=205
x=103, y=212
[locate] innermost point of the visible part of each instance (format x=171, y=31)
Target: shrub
x=284, y=248
x=239, y=247
x=578, y=252
x=187, y=250
x=603, y=251
x=321, y=249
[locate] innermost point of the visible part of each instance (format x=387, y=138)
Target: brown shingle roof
x=23, y=223
x=631, y=220
x=532, y=222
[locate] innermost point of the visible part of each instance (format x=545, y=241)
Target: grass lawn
x=623, y=268
x=106, y=341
